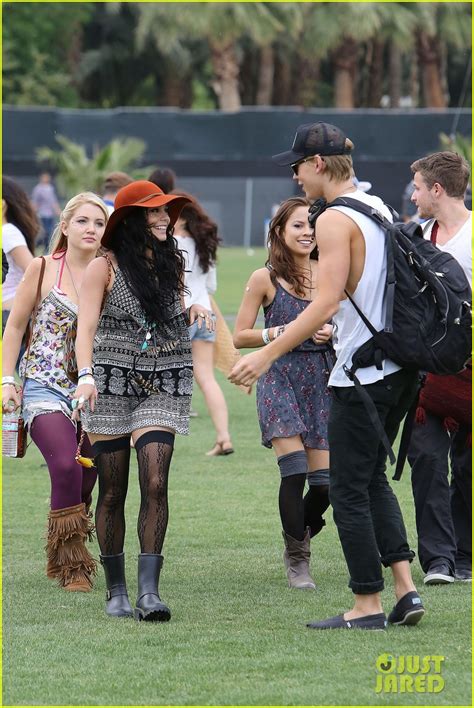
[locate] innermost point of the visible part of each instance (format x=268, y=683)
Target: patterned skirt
x=293, y=398
x=139, y=389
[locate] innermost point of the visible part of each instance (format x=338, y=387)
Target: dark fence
x=225, y=158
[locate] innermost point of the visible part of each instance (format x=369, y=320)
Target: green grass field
x=237, y=634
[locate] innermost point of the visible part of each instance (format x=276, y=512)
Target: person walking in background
x=46, y=397
x=136, y=380
x=20, y=227
x=352, y=258
x=293, y=400
x=45, y=201
x=112, y=183
x=164, y=178
x=196, y=235
x=442, y=430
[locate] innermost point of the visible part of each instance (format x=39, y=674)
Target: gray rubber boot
x=149, y=606
x=117, y=602
x=296, y=559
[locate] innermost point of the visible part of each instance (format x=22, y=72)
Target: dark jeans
x=366, y=511
x=443, y=510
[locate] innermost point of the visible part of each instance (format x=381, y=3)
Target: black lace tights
x=154, y=460
x=112, y=458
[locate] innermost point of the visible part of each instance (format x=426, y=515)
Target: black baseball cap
x=314, y=139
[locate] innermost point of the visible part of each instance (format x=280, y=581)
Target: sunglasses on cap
x=295, y=166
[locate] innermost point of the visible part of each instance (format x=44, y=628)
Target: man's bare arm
x=334, y=231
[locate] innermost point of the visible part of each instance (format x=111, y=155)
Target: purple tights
x=57, y=441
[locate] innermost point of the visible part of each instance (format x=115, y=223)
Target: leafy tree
x=457, y=143
x=41, y=47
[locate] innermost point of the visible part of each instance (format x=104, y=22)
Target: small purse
x=14, y=439
x=69, y=347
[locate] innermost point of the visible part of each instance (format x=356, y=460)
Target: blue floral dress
x=293, y=397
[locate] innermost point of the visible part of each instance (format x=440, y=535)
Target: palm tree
x=337, y=30
x=220, y=25
x=439, y=26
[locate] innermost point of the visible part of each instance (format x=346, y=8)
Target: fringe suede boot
x=68, y=559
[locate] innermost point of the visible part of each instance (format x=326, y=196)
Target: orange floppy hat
x=142, y=194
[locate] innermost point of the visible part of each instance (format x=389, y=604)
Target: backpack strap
x=405, y=437
x=372, y=413
x=390, y=282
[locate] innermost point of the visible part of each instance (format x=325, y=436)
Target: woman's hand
x=323, y=335
x=85, y=393
x=11, y=397
x=203, y=317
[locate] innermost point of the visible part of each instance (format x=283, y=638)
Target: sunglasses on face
x=295, y=166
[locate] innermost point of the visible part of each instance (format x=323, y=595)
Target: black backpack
x=428, y=310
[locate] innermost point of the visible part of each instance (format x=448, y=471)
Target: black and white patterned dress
x=143, y=373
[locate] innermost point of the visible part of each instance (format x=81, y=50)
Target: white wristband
x=8, y=380
x=265, y=336
x=84, y=380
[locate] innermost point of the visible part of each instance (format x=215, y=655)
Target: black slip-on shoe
x=438, y=575
x=408, y=610
x=368, y=622
x=463, y=574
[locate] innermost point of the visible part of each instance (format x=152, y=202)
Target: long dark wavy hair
x=20, y=212
x=280, y=262
x=202, y=229
x=153, y=269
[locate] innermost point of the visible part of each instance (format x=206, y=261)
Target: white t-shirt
x=350, y=331
x=11, y=238
x=459, y=245
x=200, y=284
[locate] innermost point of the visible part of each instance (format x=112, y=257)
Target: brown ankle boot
x=68, y=558
x=296, y=559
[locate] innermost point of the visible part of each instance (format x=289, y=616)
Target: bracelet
x=265, y=336
x=86, y=370
x=279, y=330
x=86, y=380
x=8, y=380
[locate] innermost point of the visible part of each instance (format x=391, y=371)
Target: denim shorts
x=39, y=399
x=202, y=334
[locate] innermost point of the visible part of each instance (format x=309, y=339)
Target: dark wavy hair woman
x=20, y=227
x=135, y=381
x=281, y=263
x=293, y=399
x=202, y=229
x=196, y=235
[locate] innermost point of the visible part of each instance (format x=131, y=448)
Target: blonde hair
x=339, y=167
x=59, y=239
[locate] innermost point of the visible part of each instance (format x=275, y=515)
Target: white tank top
x=349, y=330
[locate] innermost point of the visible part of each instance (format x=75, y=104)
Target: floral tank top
x=45, y=359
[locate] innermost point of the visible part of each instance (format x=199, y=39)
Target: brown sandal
x=219, y=449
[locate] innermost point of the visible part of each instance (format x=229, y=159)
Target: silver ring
x=81, y=399
x=201, y=314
